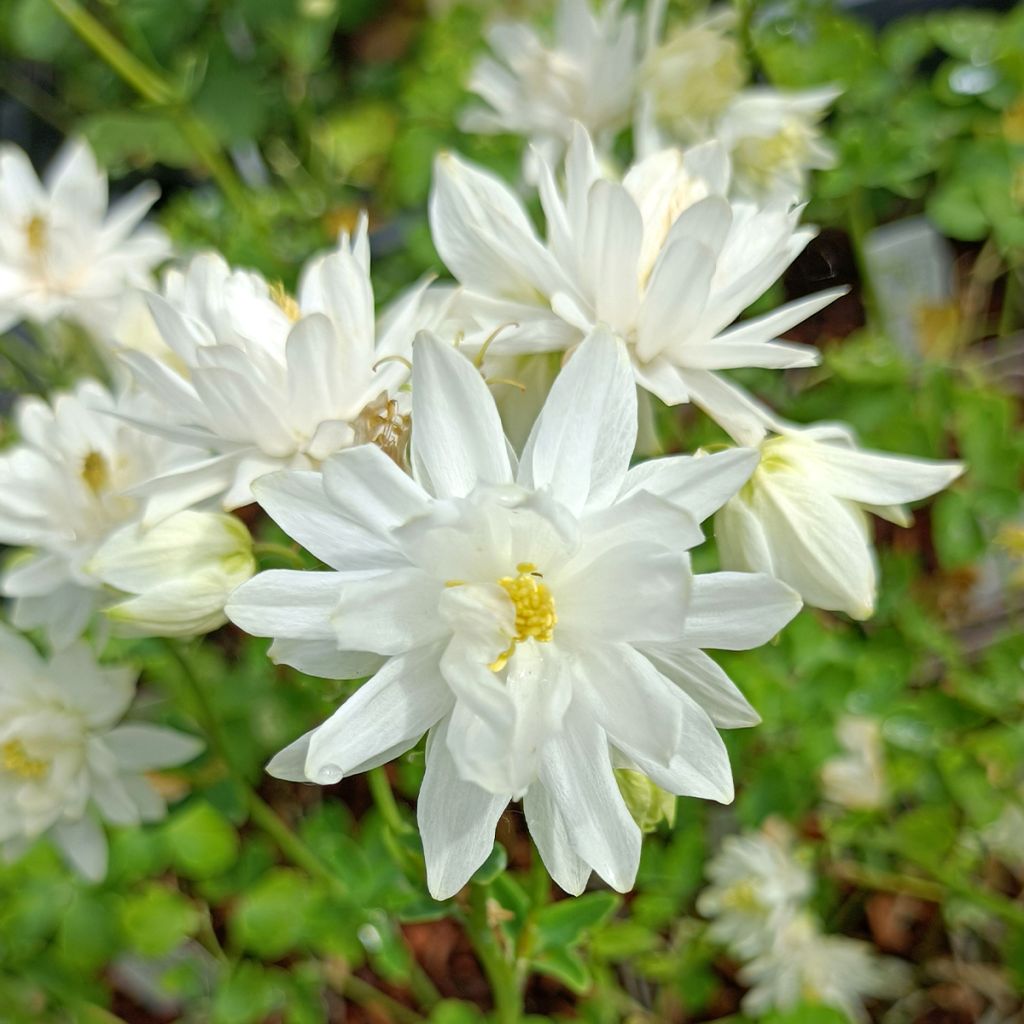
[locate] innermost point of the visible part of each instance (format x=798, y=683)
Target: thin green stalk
x=1011, y=297
x=364, y=994
x=384, y=799
x=504, y=977
x=152, y=87
x=858, y=224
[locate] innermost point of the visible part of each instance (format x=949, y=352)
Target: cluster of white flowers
x=529, y=607
x=679, y=84
x=757, y=903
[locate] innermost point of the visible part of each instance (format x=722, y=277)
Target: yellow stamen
x=535, y=610
x=95, y=472
x=15, y=759
x=285, y=302
x=35, y=234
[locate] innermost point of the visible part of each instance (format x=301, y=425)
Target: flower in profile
x=802, y=965
x=664, y=259
x=272, y=381
x=66, y=764
x=541, y=622
x=856, y=778
x=758, y=886
x=63, y=253
x=802, y=516
x=536, y=90
x=62, y=494
x=774, y=140
x=181, y=572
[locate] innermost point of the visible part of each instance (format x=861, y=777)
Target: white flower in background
x=538, y=90
x=1002, y=836
x=856, y=779
x=757, y=887
x=804, y=966
x=273, y=382
x=802, y=516
x=774, y=140
x=65, y=762
x=664, y=259
x=182, y=571
x=687, y=80
x=62, y=493
x=63, y=253
x=537, y=621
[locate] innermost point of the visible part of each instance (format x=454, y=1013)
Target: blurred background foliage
x=269, y=125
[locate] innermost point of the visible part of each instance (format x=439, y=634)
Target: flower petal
x=737, y=611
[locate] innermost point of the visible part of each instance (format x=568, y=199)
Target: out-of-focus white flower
x=536, y=90
x=802, y=516
x=758, y=886
x=804, y=966
x=1003, y=837
x=663, y=259
x=65, y=762
x=62, y=252
x=535, y=620
x=62, y=493
x=856, y=778
x=773, y=139
x=182, y=571
x=692, y=76
x=273, y=382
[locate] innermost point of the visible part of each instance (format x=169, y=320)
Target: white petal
x=393, y=709
x=457, y=819
x=741, y=416
x=611, y=245
x=84, y=845
x=737, y=611
x=286, y=602
x=290, y=764
x=551, y=832
x=582, y=441
x=323, y=658
x=140, y=747
x=457, y=437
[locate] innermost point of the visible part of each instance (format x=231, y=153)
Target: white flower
x=538, y=90
x=62, y=493
x=805, y=966
x=65, y=763
x=664, y=259
x=691, y=77
x=272, y=382
x=532, y=619
x=856, y=778
x=182, y=572
x=802, y=516
x=62, y=252
x=773, y=139
x=757, y=887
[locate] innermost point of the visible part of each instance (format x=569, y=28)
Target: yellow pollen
x=285, y=302
x=741, y=896
x=14, y=759
x=35, y=234
x=535, y=610
x=95, y=472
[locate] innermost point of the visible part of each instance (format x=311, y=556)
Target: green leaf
x=564, y=924
x=157, y=919
x=566, y=966
x=270, y=920
x=497, y=861
x=201, y=841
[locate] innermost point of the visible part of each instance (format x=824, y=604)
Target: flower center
x=535, y=609
x=35, y=235
x=15, y=759
x=95, y=472
x=285, y=302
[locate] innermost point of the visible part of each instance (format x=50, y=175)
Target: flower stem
x=152, y=87
x=384, y=799
x=504, y=977
x=268, y=549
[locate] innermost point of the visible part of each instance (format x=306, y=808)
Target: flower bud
x=647, y=802
x=181, y=571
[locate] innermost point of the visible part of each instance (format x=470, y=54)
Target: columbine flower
x=802, y=515
x=856, y=778
x=62, y=493
x=773, y=139
x=62, y=253
x=804, y=966
x=538, y=91
x=273, y=381
x=182, y=572
x=691, y=77
x=536, y=621
x=757, y=887
x=664, y=259
x=65, y=763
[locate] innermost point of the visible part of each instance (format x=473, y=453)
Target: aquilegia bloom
x=537, y=620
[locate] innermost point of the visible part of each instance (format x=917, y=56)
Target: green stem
x=859, y=223
x=364, y=994
x=1011, y=294
x=384, y=798
x=504, y=977
x=152, y=87
x=268, y=549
